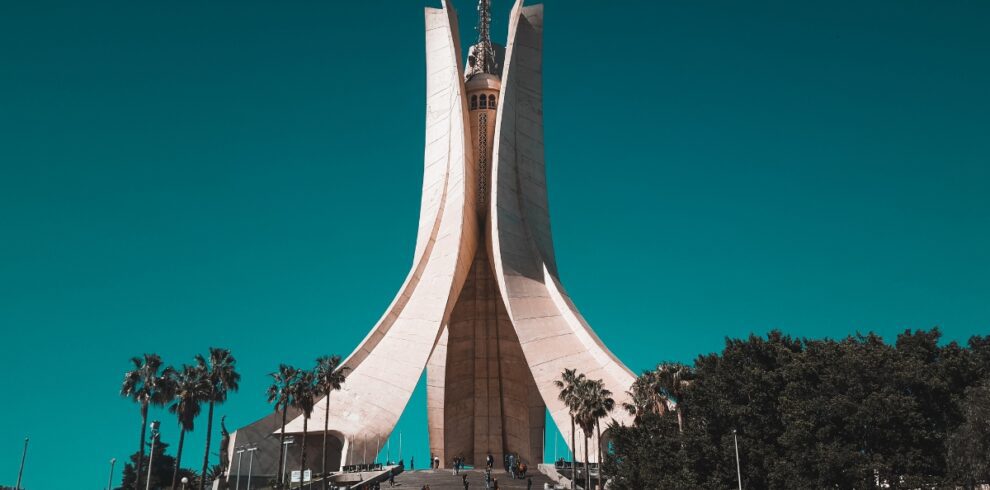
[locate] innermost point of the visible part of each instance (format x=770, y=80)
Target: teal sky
x=176, y=175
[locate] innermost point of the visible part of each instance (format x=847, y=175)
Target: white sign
x=308, y=475
x=295, y=476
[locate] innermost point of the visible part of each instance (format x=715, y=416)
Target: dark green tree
x=222, y=378
x=280, y=395
x=161, y=469
x=849, y=413
x=147, y=385
x=596, y=404
x=330, y=376
x=569, y=384
x=304, y=391
x=969, y=443
x=191, y=388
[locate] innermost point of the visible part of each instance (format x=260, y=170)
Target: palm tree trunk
x=598, y=429
x=178, y=457
x=206, y=454
x=680, y=420
x=587, y=466
x=281, y=446
x=574, y=474
x=302, y=463
x=326, y=427
x=140, y=463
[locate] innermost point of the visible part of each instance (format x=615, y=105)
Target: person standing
x=464, y=480
x=412, y=463
x=491, y=461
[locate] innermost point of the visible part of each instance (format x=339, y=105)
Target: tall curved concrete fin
x=386, y=367
x=553, y=334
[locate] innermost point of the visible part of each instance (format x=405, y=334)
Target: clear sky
x=178, y=175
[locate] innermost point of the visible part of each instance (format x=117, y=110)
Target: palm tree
x=304, y=393
x=597, y=404
x=146, y=385
x=672, y=380
x=329, y=377
x=191, y=390
x=222, y=378
x=280, y=395
x=586, y=422
x=570, y=383
x=646, y=397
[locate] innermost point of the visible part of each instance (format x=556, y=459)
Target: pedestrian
x=391, y=478
x=496, y=485
x=464, y=480
x=412, y=463
x=490, y=460
x=529, y=484
x=512, y=466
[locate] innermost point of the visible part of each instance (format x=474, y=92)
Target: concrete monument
x=482, y=309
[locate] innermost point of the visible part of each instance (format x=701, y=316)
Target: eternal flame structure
x=482, y=309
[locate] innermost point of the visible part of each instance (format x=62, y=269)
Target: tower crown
x=481, y=57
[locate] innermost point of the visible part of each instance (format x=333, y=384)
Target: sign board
x=308, y=475
x=296, y=475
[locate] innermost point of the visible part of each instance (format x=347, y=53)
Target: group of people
x=458, y=465
x=514, y=466
x=512, y=463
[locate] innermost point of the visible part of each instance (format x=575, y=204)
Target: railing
x=358, y=468
x=567, y=465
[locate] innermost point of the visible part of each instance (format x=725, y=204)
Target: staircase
x=446, y=480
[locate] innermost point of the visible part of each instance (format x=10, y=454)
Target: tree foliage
x=162, y=466
x=850, y=413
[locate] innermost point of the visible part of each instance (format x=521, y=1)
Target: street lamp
x=113, y=461
x=151, y=457
x=285, y=456
x=240, y=453
x=20, y=472
x=738, y=468
x=251, y=463
x=185, y=480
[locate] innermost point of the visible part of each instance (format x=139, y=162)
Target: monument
x=482, y=309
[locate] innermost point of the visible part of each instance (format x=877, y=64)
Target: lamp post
x=738, y=468
x=20, y=472
x=240, y=453
x=251, y=463
x=185, y=480
x=285, y=456
x=113, y=461
x=151, y=457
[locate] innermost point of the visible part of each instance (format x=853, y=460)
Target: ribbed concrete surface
x=445, y=480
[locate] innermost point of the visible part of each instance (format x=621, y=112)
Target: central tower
x=482, y=397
